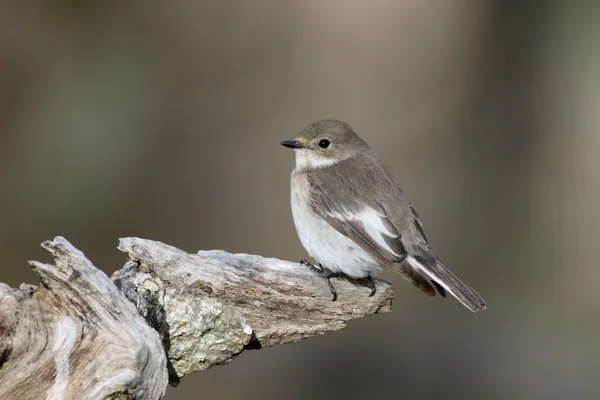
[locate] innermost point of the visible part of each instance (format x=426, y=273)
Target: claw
x=371, y=285
x=322, y=272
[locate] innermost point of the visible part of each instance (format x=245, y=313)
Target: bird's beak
x=292, y=144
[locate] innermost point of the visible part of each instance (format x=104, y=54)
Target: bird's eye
x=324, y=143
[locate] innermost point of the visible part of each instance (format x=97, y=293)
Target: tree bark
x=79, y=335
x=75, y=336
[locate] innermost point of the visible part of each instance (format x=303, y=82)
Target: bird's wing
x=370, y=226
x=419, y=225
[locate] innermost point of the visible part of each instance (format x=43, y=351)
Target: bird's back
x=379, y=187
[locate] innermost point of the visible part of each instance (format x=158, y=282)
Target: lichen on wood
x=81, y=335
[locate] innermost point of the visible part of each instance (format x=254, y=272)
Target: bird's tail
x=436, y=270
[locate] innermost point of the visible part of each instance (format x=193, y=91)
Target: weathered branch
x=76, y=334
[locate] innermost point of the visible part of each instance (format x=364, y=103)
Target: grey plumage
x=352, y=216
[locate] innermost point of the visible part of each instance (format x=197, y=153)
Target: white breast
x=322, y=242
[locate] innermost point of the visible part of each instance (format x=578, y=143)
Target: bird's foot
x=324, y=273
x=371, y=285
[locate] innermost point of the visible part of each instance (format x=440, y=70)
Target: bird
x=352, y=216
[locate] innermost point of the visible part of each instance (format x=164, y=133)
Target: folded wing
x=369, y=226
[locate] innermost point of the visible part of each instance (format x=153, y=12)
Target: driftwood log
x=164, y=315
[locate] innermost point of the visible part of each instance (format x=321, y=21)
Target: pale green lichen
x=203, y=332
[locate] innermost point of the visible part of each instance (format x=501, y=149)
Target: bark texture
x=75, y=336
x=79, y=335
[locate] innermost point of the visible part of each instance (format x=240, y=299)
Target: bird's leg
x=324, y=273
x=371, y=285
x=318, y=270
x=331, y=288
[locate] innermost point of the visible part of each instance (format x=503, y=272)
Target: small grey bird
x=352, y=216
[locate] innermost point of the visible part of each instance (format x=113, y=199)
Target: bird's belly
x=330, y=248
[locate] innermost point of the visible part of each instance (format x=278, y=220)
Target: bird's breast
x=324, y=243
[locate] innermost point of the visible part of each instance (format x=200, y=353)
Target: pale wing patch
x=311, y=160
x=374, y=226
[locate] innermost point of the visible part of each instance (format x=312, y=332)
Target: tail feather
x=417, y=279
x=436, y=270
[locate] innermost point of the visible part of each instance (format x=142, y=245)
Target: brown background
x=162, y=119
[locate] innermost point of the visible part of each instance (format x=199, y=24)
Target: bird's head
x=324, y=143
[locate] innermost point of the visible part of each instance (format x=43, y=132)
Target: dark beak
x=292, y=144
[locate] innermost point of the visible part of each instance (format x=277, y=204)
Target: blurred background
x=163, y=119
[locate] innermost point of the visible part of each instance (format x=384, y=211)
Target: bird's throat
x=309, y=160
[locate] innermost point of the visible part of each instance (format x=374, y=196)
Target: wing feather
x=372, y=229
